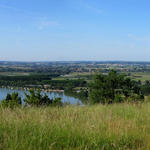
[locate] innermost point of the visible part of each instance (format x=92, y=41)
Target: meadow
x=98, y=127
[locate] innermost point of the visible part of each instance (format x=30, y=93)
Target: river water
x=67, y=99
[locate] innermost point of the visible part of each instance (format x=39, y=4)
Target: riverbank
x=27, y=89
x=110, y=127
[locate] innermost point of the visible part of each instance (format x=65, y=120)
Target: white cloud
x=41, y=21
x=94, y=9
x=136, y=38
x=8, y=7
x=24, y=12
x=44, y=24
x=86, y=5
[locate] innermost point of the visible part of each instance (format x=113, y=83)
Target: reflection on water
x=65, y=99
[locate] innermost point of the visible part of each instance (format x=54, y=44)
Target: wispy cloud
x=46, y=23
x=25, y=12
x=136, y=38
x=94, y=9
x=8, y=7
x=86, y=5
x=34, y=18
x=12, y=8
x=91, y=6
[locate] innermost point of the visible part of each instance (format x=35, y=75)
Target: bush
x=56, y=102
x=12, y=100
x=35, y=98
x=118, y=98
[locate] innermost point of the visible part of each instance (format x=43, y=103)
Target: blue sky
x=50, y=30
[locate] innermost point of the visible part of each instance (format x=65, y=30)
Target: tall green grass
x=99, y=127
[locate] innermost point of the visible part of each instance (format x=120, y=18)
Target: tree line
x=40, y=81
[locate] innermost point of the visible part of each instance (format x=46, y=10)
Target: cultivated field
x=140, y=76
x=117, y=126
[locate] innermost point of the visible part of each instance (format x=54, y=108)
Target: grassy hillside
x=118, y=126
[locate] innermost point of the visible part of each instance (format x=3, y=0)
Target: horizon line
x=26, y=61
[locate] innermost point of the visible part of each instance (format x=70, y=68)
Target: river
x=65, y=99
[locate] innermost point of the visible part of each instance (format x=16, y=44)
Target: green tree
x=12, y=100
x=113, y=87
x=146, y=88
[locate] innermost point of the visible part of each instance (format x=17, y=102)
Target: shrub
x=12, y=100
x=35, y=98
x=56, y=102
